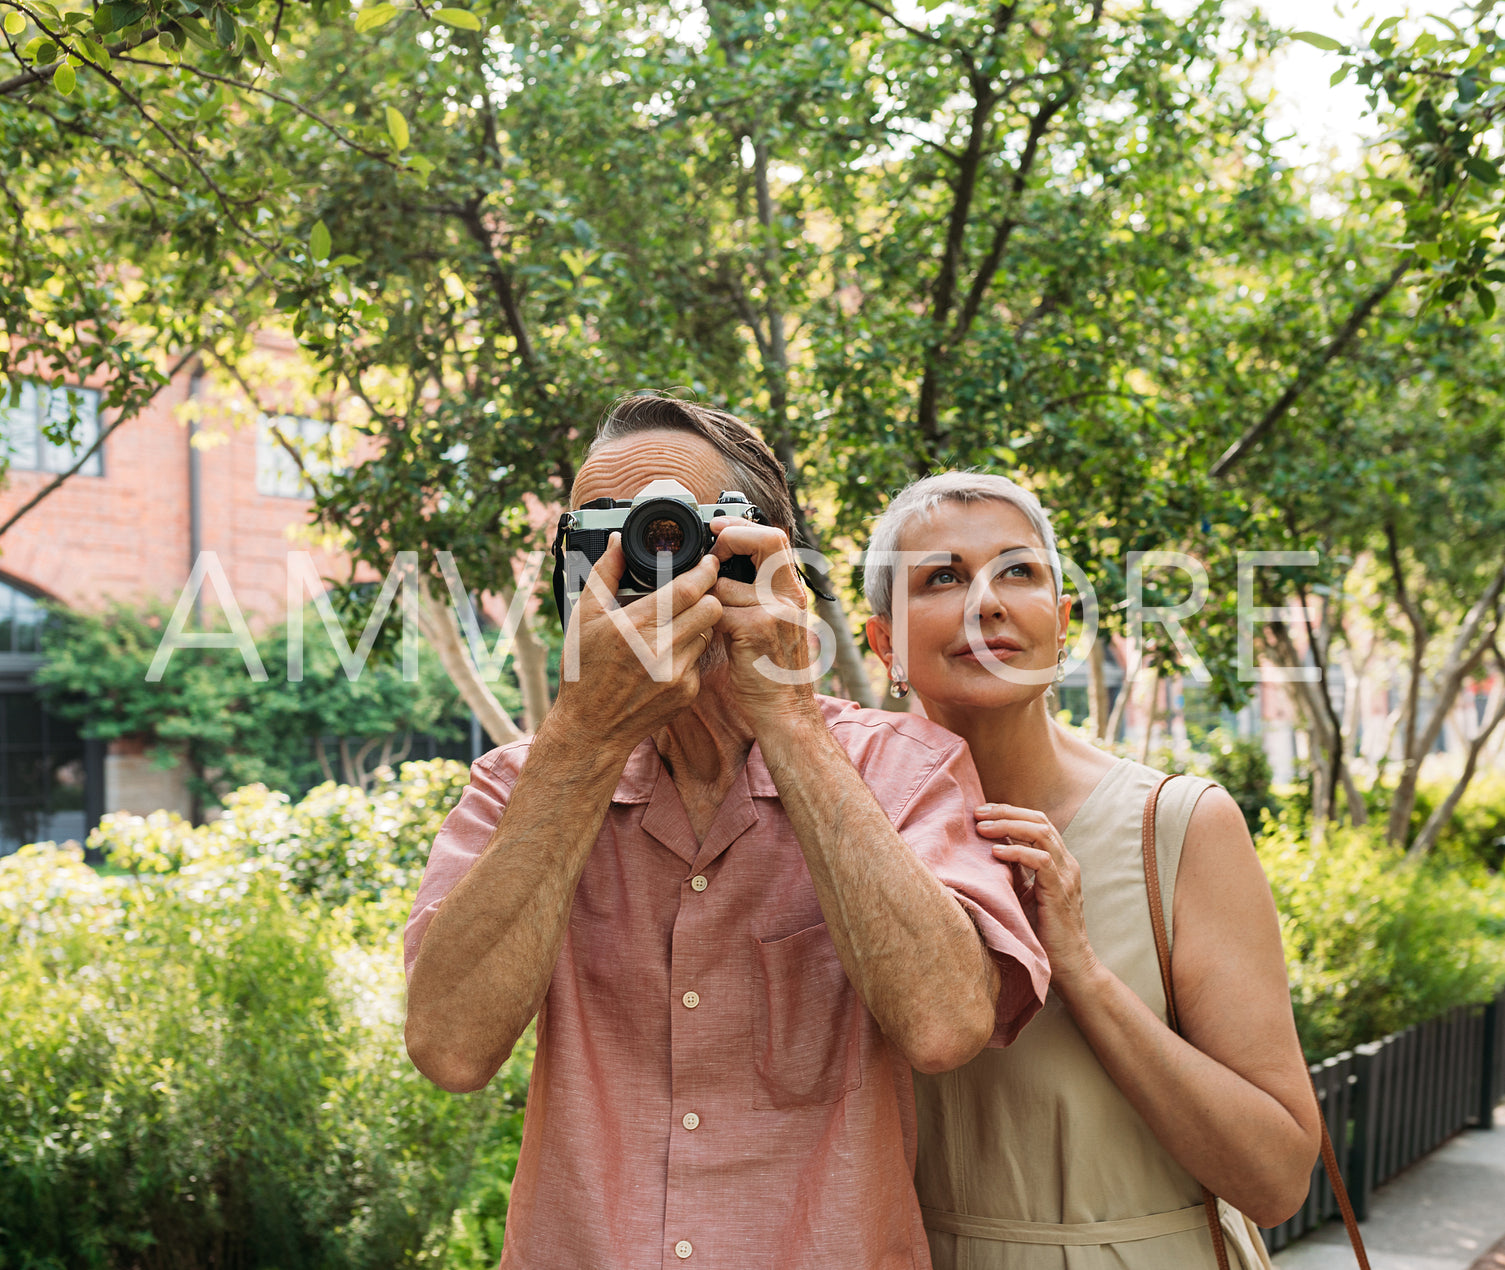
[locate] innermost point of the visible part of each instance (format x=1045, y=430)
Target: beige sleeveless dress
x=1029, y=1157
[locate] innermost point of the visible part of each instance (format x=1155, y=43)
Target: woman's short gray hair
x=922, y=497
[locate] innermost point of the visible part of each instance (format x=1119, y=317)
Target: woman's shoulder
x=1195, y=809
x=1183, y=802
x=1185, y=787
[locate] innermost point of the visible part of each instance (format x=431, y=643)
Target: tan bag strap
x=1163, y=953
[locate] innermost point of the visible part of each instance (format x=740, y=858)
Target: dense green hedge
x=1374, y=942
x=202, y=1055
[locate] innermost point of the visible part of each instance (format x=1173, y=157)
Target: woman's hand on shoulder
x=1028, y=838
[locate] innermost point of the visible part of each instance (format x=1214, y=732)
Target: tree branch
x=249, y=87
x=38, y=74
x=983, y=279
x=88, y=454
x=1309, y=371
x=469, y=215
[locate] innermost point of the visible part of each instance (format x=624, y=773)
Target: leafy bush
x=203, y=1055
x=1375, y=943
x=1476, y=829
x=1239, y=765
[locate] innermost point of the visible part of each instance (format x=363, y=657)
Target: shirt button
x=691, y=1120
x=682, y=1249
x=691, y=1000
x=698, y=882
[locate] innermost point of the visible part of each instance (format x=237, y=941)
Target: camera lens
x=657, y=527
x=663, y=535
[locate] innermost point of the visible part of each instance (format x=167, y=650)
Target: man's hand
x=766, y=627
x=635, y=667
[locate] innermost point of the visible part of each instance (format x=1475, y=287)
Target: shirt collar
x=644, y=766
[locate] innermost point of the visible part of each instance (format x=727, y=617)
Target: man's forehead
x=619, y=469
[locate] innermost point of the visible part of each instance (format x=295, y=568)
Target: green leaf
x=318, y=241
x=1482, y=169
x=264, y=49
x=464, y=19
x=397, y=127
x=1486, y=299
x=124, y=15
x=224, y=27
x=44, y=52
x=1325, y=42
x=47, y=11
x=1428, y=251
x=197, y=32
x=14, y=24
x=97, y=53
x=63, y=79
x=370, y=19
x=104, y=20
x=1339, y=75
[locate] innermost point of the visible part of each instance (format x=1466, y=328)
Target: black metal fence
x=1390, y=1102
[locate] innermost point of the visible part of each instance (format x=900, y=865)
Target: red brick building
x=190, y=473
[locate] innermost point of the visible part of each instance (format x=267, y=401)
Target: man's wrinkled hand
x=766, y=626
x=632, y=668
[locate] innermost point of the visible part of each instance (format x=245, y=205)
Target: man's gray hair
x=751, y=466
x=922, y=497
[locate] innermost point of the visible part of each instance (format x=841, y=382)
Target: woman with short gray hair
x=1089, y=1141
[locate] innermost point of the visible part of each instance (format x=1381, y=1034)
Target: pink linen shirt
x=709, y=1089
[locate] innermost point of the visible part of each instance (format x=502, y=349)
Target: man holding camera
x=741, y=913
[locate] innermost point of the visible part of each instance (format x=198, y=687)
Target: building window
x=42, y=773
x=277, y=472
x=43, y=761
x=26, y=418
x=21, y=620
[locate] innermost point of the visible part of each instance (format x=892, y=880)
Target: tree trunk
x=1437, y=821
x=1325, y=748
x=530, y=662
x=1097, y=690
x=1461, y=662
x=323, y=758
x=1116, y=715
x=1149, y=723
x=443, y=633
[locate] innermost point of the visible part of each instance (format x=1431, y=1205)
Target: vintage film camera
x=663, y=518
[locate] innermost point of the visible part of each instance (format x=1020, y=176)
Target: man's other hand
x=768, y=640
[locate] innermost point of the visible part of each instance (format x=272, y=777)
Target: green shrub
x=1239, y=765
x=1476, y=829
x=1374, y=943
x=203, y=1056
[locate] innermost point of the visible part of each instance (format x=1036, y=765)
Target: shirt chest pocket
x=806, y=1022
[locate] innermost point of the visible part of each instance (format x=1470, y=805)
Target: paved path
x=1446, y=1212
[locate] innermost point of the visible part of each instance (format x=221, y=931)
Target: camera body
x=662, y=519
